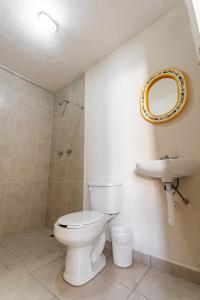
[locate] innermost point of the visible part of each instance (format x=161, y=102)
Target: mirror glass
x=163, y=96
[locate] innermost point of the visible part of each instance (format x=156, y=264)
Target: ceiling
x=88, y=30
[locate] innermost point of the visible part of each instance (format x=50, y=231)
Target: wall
x=25, y=134
x=66, y=171
x=116, y=137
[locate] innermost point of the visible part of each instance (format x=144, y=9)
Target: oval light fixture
x=47, y=22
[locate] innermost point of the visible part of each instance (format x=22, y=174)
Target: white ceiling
x=88, y=30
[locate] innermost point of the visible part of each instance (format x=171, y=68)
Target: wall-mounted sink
x=167, y=169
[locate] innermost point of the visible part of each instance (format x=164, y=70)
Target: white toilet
x=84, y=233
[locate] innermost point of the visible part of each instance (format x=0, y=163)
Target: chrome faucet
x=165, y=157
x=168, y=157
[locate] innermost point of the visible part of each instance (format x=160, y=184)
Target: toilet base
x=80, y=280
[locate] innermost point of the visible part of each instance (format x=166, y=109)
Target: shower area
x=65, y=188
x=41, y=153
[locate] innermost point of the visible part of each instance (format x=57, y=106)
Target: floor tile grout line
x=44, y=240
x=14, y=255
x=22, y=263
x=141, y=279
x=139, y=294
x=114, y=281
x=21, y=266
x=32, y=275
x=44, y=286
x=133, y=290
x=30, y=271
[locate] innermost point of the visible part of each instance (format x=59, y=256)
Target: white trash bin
x=122, y=246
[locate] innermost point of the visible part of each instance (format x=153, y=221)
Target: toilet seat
x=80, y=219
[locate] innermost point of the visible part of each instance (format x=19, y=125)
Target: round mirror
x=163, y=96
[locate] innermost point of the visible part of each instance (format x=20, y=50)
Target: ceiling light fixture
x=47, y=22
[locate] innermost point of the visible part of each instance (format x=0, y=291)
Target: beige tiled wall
x=26, y=114
x=66, y=172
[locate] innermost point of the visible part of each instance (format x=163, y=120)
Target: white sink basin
x=167, y=169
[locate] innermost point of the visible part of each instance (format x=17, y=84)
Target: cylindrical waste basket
x=122, y=246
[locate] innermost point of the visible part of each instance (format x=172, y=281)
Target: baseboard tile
x=142, y=258
x=161, y=264
x=175, y=269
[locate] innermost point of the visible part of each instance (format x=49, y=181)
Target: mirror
x=163, y=96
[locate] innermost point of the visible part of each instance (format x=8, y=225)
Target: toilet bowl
x=84, y=233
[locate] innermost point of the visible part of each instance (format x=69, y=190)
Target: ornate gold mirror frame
x=174, y=74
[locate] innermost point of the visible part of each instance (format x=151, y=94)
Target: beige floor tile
x=30, y=242
x=10, y=268
x=34, y=261
x=158, y=285
x=51, y=276
x=36, y=274
x=23, y=286
x=36, y=254
x=20, y=247
x=100, y=288
x=21, y=243
x=5, y=254
x=53, y=245
x=126, y=276
x=135, y=296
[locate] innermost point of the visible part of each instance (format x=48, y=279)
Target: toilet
x=84, y=232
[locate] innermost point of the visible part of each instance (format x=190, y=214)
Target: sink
x=167, y=169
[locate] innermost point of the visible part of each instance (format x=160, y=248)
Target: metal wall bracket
x=176, y=190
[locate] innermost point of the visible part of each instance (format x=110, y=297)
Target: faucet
x=168, y=157
x=165, y=157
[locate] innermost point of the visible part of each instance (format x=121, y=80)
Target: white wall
x=116, y=136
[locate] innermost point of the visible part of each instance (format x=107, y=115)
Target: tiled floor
x=31, y=267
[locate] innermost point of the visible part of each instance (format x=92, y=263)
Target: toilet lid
x=80, y=219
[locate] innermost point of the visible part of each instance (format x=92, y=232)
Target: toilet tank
x=105, y=196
